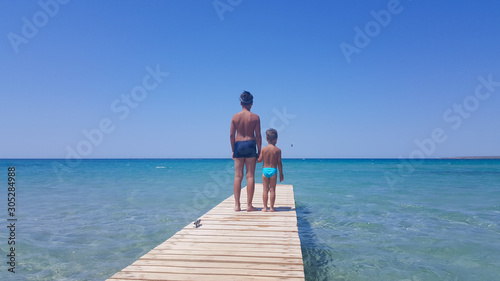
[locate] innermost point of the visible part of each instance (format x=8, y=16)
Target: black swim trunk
x=245, y=149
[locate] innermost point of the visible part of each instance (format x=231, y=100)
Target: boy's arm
x=280, y=166
x=258, y=137
x=232, y=134
x=260, y=157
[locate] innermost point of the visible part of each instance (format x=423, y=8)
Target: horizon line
x=228, y=158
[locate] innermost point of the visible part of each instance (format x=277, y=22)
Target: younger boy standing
x=272, y=159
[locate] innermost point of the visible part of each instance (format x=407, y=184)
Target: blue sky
x=161, y=79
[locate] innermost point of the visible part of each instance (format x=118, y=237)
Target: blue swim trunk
x=269, y=172
x=244, y=149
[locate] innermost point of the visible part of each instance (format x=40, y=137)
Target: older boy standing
x=246, y=143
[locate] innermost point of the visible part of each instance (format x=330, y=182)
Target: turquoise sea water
x=358, y=219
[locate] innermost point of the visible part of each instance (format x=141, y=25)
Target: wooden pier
x=229, y=245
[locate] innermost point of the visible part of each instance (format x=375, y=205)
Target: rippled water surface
x=358, y=219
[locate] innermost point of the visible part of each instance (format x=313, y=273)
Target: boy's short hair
x=271, y=135
x=246, y=98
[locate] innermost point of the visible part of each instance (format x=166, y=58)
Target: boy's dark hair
x=271, y=134
x=246, y=98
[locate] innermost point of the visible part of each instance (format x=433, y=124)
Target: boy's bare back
x=245, y=124
x=271, y=155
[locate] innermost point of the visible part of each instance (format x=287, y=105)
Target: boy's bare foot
x=251, y=209
x=272, y=209
x=237, y=208
x=264, y=209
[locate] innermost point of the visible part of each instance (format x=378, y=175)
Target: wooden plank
x=248, y=252
x=236, y=240
x=208, y=257
x=246, y=233
x=225, y=246
x=229, y=246
x=243, y=265
x=131, y=276
x=245, y=227
x=215, y=270
x=236, y=220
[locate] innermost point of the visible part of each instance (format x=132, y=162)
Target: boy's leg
x=250, y=164
x=265, y=190
x=272, y=189
x=238, y=177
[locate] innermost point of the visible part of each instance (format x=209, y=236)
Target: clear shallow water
x=439, y=222
x=358, y=219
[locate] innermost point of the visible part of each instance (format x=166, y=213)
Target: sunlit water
x=358, y=219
